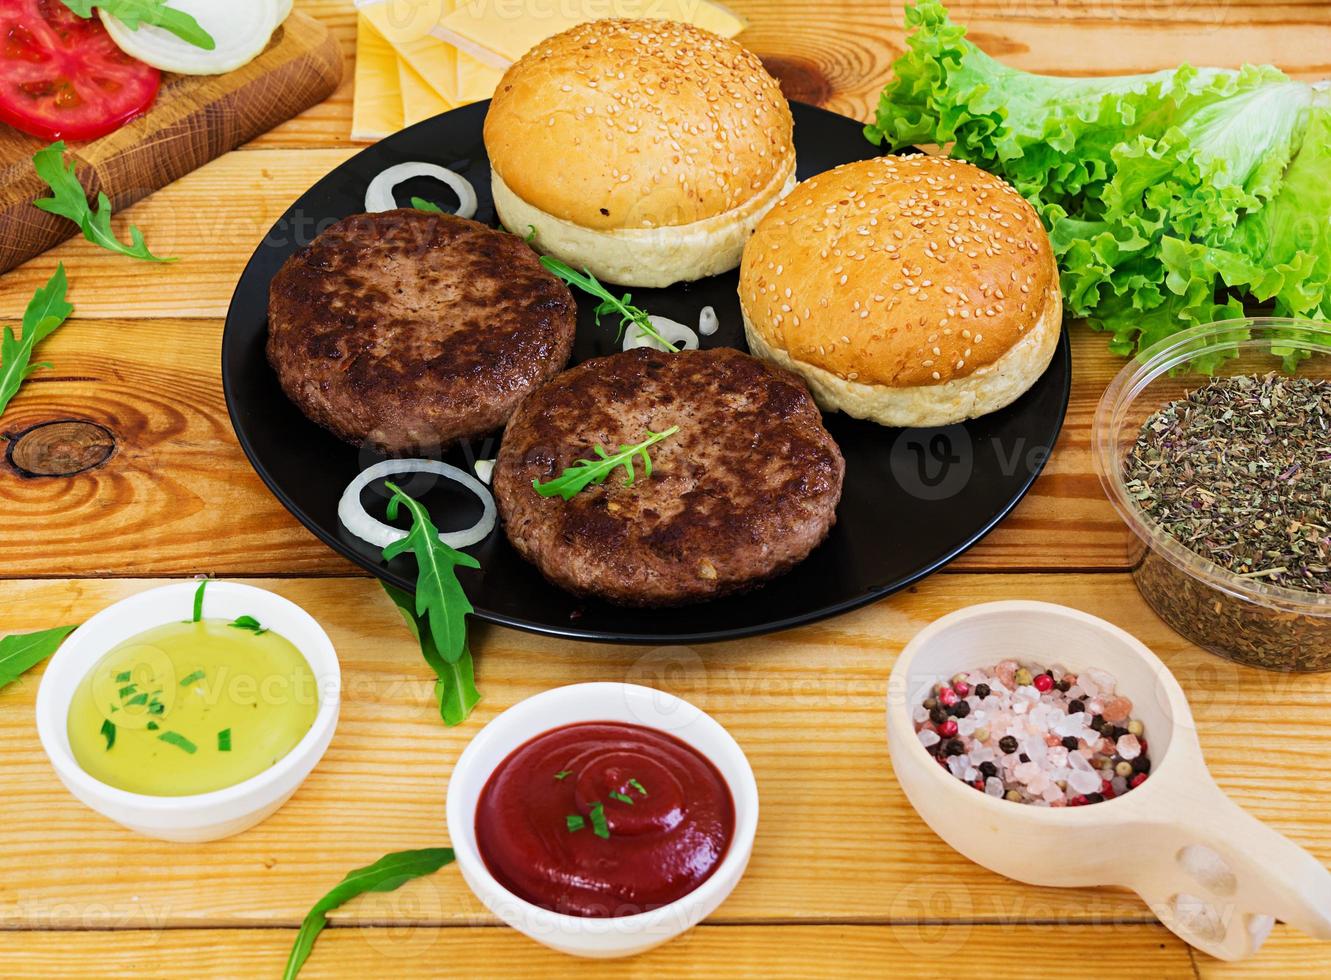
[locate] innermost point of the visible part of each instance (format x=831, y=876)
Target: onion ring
x=379, y=195
x=707, y=321
x=672, y=330
x=357, y=520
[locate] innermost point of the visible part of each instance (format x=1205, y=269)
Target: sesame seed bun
x=913, y=291
x=645, y=150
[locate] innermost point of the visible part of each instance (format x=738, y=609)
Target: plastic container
x=1211, y=872
x=1247, y=621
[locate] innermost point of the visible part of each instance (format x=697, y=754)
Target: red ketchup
x=551, y=832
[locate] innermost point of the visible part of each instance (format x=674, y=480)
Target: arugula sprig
x=421, y=204
x=623, y=305
x=389, y=873
x=132, y=13
x=20, y=652
x=584, y=472
x=45, y=311
x=69, y=201
x=455, y=683
x=439, y=595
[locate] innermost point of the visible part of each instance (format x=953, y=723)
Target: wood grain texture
x=178, y=497
x=193, y=120
x=838, y=841
x=775, y=953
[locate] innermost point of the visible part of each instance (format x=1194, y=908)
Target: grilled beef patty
x=406, y=331
x=742, y=493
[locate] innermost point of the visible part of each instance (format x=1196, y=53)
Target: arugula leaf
x=584, y=472
x=69, y=201
x=589, y=284
x=439, y=595
x=455, y=688
x=20, y=652
x=421, y=204
x=389, y=873
x=45, y=311
x=132, y=13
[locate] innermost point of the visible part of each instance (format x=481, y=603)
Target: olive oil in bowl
x=192, y=707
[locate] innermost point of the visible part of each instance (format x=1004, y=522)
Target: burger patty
x=744, y=490
x=407, y=330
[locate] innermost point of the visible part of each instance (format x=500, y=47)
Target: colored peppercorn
x=988, y=769
x=1137, y=780
x=1064, y=685
x=1012, y=795
x=1044, y=683
x=962, y=688
x=947, y=697
x=1141, y=764
x=1008, y=744
x=1074, y=706
x=938, y=714
x=1136, y=727
x=1123, y=769
x=1023, y=677
x=961, y=709
x=948, y=729
x=1070, y=742
x=955, y=747
x=982, y=691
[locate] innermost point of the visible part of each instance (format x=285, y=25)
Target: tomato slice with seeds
x=62, y=77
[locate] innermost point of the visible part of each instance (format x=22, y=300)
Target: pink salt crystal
x=929, y=737
x=1095, y=706
x=1129, y=747
x=1039, y=784
x=1006, y=672
x=1052, y=794
x=993, y=786
x=1117, y=709
x=1026, y=771
x=1051, y=740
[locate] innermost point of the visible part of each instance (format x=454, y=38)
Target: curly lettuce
x=1170, y=198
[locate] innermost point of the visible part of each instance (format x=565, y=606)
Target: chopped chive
x=248, y=623
x=638, y=786
x=622, y=797
x=198, y=675
x=179, y=741
x=122, y=677
x=198, y=601
x=153, y=726
x=109, y=733
x=156, y=708
x=574, y=822
x=531, y=234
x=563, y=774
x=114, y=709
x=140, y=698
x=599, y=826
x=127, y=690
x=224, y=740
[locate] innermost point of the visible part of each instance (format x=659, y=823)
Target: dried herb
x=1239, y=472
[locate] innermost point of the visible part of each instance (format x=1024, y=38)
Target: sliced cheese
x=419, y=100
x=376, y=107
x=406, y=26
x=499, y=31
x=476, y=79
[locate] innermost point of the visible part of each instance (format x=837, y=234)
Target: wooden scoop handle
x=1218, y=877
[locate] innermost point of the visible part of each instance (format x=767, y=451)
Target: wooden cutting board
x=193, y=120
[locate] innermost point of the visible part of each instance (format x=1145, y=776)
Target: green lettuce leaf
x=1168, y=196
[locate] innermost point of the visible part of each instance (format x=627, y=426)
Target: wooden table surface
x=845, y=879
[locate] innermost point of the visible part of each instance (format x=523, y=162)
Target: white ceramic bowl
x=205, y=816
x=607, y=937
x=1208, y=870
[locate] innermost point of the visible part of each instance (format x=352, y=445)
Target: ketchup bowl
x=664, y=721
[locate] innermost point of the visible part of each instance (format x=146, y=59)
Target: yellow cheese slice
x=476, y=79
x=419, y=100
x=491, y=31
x=376, y=107
x=406, y=26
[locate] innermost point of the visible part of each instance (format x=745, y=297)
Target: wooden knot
x=800, y=78
x=61, y=447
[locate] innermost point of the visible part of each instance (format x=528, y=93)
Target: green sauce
x=191, y=707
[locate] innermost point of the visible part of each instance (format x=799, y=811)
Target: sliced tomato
x=62, y=77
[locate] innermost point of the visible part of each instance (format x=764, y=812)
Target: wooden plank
x=805, y=952
x=178, y=496
x=838, y=840
x=1287, y=955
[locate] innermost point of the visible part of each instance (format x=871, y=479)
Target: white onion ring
x=484, y=469
x=379, y=195
x=707, y=321
x=672, y=330
x=357, y=520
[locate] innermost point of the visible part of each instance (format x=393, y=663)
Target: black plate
x=913, y=500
